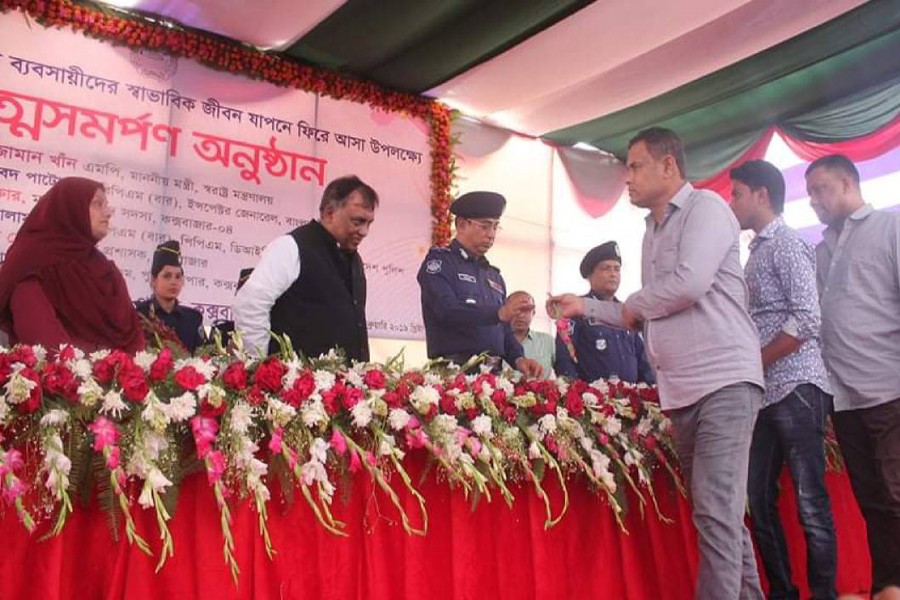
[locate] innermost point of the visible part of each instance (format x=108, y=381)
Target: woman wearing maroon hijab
x=56, y=287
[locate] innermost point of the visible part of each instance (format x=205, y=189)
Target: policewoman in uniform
x=600, y=351
x=464, y=302
x=167, y=281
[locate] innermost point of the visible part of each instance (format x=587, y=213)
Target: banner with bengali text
x=219, y=162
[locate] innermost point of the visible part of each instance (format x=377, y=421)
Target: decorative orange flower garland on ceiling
x=227, y=55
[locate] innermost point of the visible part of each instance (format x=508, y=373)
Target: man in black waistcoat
x=310, y=283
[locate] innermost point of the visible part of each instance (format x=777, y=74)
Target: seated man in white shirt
x=323, y=304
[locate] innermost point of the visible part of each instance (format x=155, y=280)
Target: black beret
x=607, y=251
x=479, y=205
x=166, y=254
x=243, y=277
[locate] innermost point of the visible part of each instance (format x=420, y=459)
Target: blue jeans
x=793, y=431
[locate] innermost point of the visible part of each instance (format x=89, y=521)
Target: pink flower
x=205, y=430
x=275, y=442
x=13, y=490
x=416, y=438
x=337, y=442
x=13, y=462
x=370, y=458
x=413, y=422
x=112, y=457
x=105, y=433
x=292, y=458
x=461, y=434
x=474, y=446
x=215, y=466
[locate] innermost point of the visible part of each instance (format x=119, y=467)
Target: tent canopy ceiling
x=578, y=71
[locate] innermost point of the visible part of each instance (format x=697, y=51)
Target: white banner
x=219, y=162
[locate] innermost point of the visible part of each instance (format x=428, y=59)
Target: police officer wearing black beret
x=464, y=302
x=166, y=281
x=600, y=351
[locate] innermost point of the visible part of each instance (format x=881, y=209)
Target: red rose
x=67, y=353
x=24, y=355
x=104, y=370
x=331, y=397
x=375, y=379
x=305, y=385
x=448, y=404
x=392, y=399
x=162, y=366
x=351, y=397
x=5, y=369
x=208, y=410
x=235, y=376
x=60, y=381
x=189, y=379
x=574, y=403
x=255, y=396
x=133, y=383
x=34, y=397
x=269, y=374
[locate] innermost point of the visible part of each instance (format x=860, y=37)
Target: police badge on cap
x=479, y=205
x=607, y=251
x=167, y=254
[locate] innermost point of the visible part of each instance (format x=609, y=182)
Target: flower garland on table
x=138, y=31
x=148, y=417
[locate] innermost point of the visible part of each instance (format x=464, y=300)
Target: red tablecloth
x=491, y=552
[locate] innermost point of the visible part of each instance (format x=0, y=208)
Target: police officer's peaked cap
x=607, y=251
x=166, y=254
x=479, y=205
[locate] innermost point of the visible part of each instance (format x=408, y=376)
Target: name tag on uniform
x=601, y=344
x=496, y=286
x=467, y=277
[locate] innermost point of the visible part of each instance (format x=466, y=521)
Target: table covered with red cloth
x=493, y=551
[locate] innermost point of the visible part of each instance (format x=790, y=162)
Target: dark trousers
x=870, y=443
x=792, y=431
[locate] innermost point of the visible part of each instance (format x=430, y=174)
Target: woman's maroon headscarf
x=56, y=246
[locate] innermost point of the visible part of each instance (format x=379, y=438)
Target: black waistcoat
x=326, y=306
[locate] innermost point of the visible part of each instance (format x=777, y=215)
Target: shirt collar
x=860, y=214
x=455, y=246
x=677, y=201
x=158, y=308
x=768, y=232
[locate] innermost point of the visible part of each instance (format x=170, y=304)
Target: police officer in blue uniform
x=464, y=302
x=600, y=351
x=167, y=280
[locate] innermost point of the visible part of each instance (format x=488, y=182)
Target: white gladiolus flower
x=279, y=412
x=398, y=419
x=362, y=414
x=40, y=353
x=18, y=388
x=386, y=445
x=534, y=451
x=157, y=480
x=547, y=425
x=146, y=497
x=155, y=413
x=319, y=450
x=644, y=426
x=54, y=417
x=483, y=426
x=313, y=413
x=505, y=385
x=612, y=426
x=590, y=400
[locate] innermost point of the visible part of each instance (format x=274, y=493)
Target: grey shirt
x=858, y=272
x=699, y=336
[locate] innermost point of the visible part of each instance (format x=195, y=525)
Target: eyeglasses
x=486, y=224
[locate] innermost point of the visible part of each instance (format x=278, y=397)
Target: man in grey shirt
x=858, y=272
x=703, y=345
